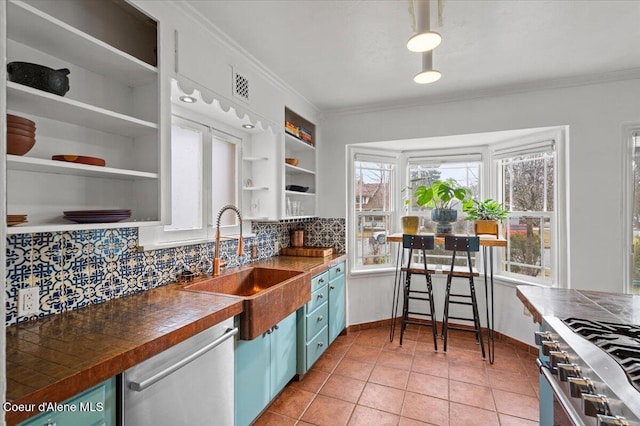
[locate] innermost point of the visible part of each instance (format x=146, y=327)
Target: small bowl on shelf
x=18, y=144
x=292, y=161
x=16, y=119
x=297, y=188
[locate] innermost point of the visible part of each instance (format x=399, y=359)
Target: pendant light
x=424, y=40
x=428, y=74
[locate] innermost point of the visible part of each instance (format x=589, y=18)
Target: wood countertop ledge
x=595, y=305
x=54, y=358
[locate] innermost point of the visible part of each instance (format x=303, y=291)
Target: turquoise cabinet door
x=93, y=407
x=252, y=387
x=283, y=354
x=337, y=308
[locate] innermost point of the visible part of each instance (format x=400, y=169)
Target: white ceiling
x=347, y=53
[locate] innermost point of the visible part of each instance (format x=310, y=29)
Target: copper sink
x=269, y=295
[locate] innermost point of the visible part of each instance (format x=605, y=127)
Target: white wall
x=595, y=115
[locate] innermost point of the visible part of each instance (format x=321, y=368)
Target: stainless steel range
x=593, y=369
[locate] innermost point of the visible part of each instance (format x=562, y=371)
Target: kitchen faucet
x=216, y=256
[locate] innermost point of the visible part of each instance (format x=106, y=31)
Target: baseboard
x=499, y=336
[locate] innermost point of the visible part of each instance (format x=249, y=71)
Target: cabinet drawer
x=319, y=281
x=317, y=346
x=318, y=297
x=336, y=271
x=317, y=319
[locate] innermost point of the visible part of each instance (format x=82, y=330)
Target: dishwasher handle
x=143, y=384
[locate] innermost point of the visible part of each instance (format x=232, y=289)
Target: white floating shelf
x=39, y=165
x=298, y=170
x=298, y=217
x=255, y=188
x=297, y=144
x=37, y=102
x=306, y=194
x=255, y=158
x=64, y=225
x=30, y=26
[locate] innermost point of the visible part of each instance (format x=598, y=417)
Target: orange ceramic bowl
x=19, y=145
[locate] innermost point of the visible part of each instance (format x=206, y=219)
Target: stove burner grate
x=620, y=341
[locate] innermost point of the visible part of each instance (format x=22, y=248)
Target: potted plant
x=410, y=223
x=487, y=214
x=441, y=196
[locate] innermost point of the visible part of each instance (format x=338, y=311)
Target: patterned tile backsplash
x=78, y=268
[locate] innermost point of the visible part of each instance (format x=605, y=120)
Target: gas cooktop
x=620, y=341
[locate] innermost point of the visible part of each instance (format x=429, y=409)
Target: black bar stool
x=466, y=245
x=423, y=243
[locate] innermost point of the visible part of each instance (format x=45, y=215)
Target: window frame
x=155, y=237
x=629, y=132
x=352, y=218
x=560, y=237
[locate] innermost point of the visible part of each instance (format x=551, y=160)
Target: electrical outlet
x=28, y=301
x=276, y=248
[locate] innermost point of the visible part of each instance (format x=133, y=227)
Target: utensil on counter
x=297, y=237
x=39, y=77
x=80, y=159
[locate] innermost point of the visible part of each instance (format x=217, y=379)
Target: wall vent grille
x=240, y=86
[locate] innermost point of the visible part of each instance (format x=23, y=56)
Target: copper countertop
x=595, y=305
x=54, y=358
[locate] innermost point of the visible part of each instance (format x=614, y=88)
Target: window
x=204, y=178
x=466, y=172
x=527, y=187
x=635, y=218
x=374, y=213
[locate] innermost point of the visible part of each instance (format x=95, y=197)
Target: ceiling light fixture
x=424, y=40
x=188, y=99
x=428, y=74
x=248, y=126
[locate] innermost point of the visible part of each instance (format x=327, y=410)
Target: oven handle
x=143, y=384
x=557, y=391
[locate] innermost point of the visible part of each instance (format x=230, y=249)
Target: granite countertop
x=595, y=305
x=54, y=358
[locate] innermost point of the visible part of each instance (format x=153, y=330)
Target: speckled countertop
x=54, y=358
x=595, y=305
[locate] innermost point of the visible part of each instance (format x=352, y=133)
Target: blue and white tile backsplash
x=79, y=268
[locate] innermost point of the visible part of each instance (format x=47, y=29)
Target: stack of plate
x=16, y=219
x=97, y=216
x=21, y=135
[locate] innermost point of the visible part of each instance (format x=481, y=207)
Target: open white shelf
x=36, y=102
x=304, y=194
x=299, y=170
x=255, y=188
x=33, y=27
x=296, y=144
x=65, y=225
x=39, y=165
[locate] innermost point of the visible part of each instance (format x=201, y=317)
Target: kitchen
x=595, y=109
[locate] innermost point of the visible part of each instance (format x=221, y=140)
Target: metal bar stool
x=466, y=245
x=423, y=243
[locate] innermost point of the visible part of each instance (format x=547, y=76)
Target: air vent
x=240, y=86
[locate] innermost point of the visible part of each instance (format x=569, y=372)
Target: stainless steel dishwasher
x=190, y=383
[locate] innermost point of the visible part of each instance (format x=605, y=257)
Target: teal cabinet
x=337, y=301
x=323, y=318
x=283, y=354
x=313, y=319
x=263, y=367
x=93, y=407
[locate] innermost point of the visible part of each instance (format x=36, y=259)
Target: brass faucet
x=216, y=255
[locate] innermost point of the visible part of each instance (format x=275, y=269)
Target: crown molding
x=466, y=95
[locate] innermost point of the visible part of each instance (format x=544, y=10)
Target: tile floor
x=363, y=379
